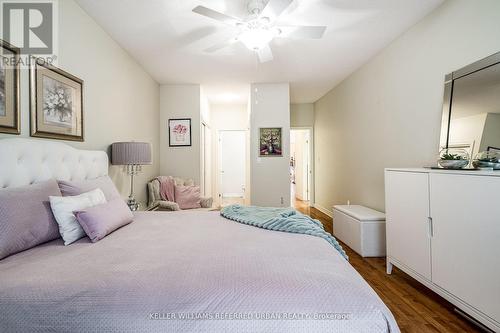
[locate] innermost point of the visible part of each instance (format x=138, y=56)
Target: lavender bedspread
x=224, y=276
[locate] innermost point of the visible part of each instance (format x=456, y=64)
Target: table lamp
x=133, y=155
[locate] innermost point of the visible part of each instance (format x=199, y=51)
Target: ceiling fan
x=259, y=28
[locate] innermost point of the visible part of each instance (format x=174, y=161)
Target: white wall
x=468, y=130
x=388, y=113
x=225, y=117
x=302, y=115
x=491, y=134
x=269, y=176
x=180, y=101
x=229, y=116
x=121, y=101
x=483, y=129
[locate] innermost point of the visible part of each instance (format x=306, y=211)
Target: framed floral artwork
x=179, y=132
x=9, y=89
x=56, y=103
x=270, y=143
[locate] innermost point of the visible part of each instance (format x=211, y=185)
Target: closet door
x=407, y=220
x=466, y=242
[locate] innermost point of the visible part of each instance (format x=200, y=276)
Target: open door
x=300, y=166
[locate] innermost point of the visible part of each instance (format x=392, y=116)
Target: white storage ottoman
x=360, y=228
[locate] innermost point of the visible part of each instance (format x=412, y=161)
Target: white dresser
x=443, y=229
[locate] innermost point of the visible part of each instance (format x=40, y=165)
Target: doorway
x=301, y=167
x=232, y=167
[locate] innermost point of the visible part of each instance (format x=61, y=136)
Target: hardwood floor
x=415, y=307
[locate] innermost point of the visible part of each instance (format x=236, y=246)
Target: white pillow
x=63, y=208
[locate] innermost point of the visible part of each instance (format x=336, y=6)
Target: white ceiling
x=168, y=40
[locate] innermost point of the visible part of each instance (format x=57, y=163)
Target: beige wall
x=269, y=176
x=388, y=113
x=302, y=115
x=121, y=101
x=180, y=101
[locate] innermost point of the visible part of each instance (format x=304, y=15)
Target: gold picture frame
x=56, y=103
x=10, y=122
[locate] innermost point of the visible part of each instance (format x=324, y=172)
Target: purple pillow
x=187, y=197
x=25, y=217
x=72, y=188
x=101, y=220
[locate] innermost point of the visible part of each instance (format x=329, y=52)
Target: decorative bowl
x=489, y=160
x=453, y=158
x=450, y=164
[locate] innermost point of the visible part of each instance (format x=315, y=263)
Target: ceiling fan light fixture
x=256, y=39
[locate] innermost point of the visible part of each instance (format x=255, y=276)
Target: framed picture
x=270, y=142
x=9, y=89
x=495, y=149
x=179, y=132
x=56, y=103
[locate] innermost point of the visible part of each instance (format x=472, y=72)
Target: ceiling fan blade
x=308, y=32
x=220, y=46
x=210, y=13
x=265, y=54
x=274, y=8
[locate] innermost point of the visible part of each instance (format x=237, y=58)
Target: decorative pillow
x=25, y=217
x=101, y=220
x=63, y=208
x=187, y=197
x=72, y=188
x=183, y=181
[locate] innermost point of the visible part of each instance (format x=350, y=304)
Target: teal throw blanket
x=280, y=219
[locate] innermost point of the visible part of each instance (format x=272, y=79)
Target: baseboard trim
x=323, y=210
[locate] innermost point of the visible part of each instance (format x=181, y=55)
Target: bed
x=174, y=271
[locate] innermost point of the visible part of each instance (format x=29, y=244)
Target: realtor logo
x=29, y=26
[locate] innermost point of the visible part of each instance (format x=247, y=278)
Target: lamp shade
x=131, y=153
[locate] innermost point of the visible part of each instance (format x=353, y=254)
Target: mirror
x=471, y=107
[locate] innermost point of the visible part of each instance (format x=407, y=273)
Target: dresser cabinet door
x=407, y=220
x=466, y=239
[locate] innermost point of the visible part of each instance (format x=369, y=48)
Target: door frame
x=203, y=159
x=311, y=160
x=218, y=159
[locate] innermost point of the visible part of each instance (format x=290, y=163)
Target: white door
x=300, y=150
x=465, y=249
x=407, y=220
x=232, y=159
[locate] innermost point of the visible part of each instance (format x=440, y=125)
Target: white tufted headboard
x=27, y=161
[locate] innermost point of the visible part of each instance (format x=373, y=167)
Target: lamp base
x=132, y=204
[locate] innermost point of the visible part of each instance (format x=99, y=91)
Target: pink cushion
x=101, y=220
x=187, y=197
